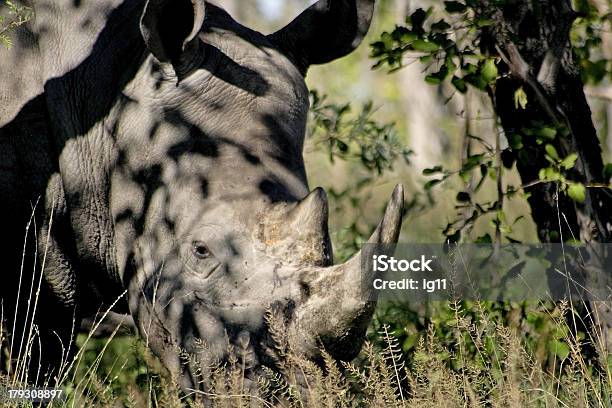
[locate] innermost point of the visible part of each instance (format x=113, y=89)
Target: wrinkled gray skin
x=164, y=141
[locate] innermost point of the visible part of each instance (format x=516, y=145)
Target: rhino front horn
x=387, y=232
x=389, y=227
x=342, y=297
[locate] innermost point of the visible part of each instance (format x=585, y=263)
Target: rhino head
x=229, y=229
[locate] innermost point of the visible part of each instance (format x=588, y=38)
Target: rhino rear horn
x=327, y=30
x=307, y=223
x=170, y=29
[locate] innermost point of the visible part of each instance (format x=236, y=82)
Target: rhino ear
x=170, y=28
x=327, y=30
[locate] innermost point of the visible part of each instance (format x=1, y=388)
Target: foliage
x=449, y=49
x=587, y=42
x=377, y=146
x=358, y=138
x=16, y=15
x=452, y=51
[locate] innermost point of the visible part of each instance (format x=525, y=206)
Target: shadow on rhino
x=162, y=163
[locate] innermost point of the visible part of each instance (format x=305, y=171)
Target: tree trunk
x=532, y=39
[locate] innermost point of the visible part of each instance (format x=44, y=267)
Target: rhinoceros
x=151, y=160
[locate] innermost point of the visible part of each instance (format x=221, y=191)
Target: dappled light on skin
x=179, y=175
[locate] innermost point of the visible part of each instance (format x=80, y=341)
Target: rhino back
x=32, y=142
x=20, y=67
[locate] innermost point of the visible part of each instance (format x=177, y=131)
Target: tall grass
x=487, y=364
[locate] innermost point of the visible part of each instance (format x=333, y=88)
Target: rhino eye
x=200, y=250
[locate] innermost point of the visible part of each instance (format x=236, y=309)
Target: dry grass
x=504, y=373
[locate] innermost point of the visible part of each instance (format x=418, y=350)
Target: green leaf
x=551, y=151
x=475, y=80
x=417, y=19
x=454, y=7
x=431, y=183
x=410, y=342
x=484, y=239
x=459, y=84
x=6, y=41
x=437, y=77
x=469, y=68
x=546, y=132
x=489, y=70
x=576, y=191
x=520, y=98
x=432, y=170
x=424, y=46
x=550, y=174
x=450, y=65
x=569, y=161
x=472, y=161
x=432, y=79
x=559, y=348
x=594, y=71
x=440, y=26
x=408, y=36
x=387, y=40
x=515, y=141
x=543, y=173
x=607, y=171
x=483, y=22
